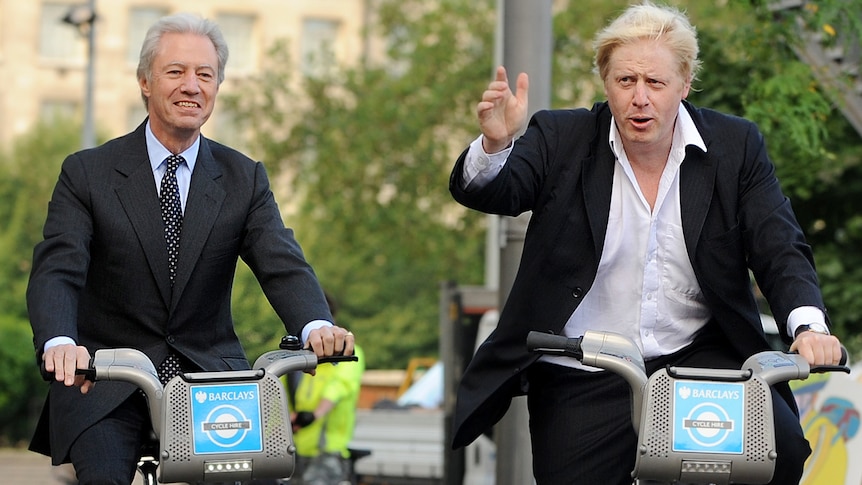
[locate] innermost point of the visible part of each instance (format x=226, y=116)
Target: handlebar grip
x=89, y=374
x=547, y=343
x=841, y=367
x=822, y=369
x=334, y=359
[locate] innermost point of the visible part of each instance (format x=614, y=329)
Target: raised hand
x=502, y=114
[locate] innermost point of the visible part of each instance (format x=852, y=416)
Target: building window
x=317, y=52
x=135, y=115
x=53, y=110
x=57, y=39
x=238, y=32
x=140, y=20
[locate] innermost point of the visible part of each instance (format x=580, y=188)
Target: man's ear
x=145, y=86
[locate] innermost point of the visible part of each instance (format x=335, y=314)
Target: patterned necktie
x=172, y=215
x=172, y=212
x=169, y=368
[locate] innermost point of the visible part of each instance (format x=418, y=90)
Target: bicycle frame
x=215, y=426
x=694, y=425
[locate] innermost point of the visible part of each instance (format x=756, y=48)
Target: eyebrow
x=185, y=64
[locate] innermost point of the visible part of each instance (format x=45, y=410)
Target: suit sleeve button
x=578, y=292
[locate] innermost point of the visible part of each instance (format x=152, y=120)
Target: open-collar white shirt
x=645, y=287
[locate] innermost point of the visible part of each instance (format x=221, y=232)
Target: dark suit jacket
x=101, y=275
x=734, y=218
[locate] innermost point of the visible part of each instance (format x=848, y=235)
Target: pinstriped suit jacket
x=734, y=218
x=101, y=277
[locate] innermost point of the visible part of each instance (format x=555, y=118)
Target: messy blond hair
x=650, y=21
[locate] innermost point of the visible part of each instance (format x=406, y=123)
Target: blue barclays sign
x=226, y=418
x=708, y=417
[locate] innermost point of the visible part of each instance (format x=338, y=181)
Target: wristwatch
x=812, y=327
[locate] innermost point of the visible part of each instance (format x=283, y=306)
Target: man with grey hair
x=648, y=215
x=140, y=248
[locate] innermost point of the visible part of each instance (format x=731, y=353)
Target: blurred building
x=44, y=59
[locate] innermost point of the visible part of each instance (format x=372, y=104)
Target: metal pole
x=88, y=136
x=526, y=42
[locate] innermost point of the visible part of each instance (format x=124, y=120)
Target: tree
x=25, y=188
x=367, y=150
x=369, y=159
x=819, y=150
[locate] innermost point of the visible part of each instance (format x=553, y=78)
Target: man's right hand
x=63, y=360
x=502, y=114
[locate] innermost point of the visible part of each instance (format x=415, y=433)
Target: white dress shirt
x=645, y=287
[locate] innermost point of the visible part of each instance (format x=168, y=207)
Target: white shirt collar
x=685, y=128
x=158, y=153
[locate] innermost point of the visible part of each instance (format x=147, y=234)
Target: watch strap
x=812, y=327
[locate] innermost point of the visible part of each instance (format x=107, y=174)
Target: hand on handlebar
x=818, y=348
x=63, y=360
x=330, y=340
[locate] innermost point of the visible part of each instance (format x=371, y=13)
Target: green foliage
x=27, y=176
x=370, y=156
x=21, y=388
x=28, y=173
x=817, y=152
x=368, y=148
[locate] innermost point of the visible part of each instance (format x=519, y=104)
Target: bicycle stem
x=622, y=356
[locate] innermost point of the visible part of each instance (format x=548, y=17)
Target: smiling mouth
x=187, y=104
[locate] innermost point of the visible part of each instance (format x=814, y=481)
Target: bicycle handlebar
x=135, y=367
x=113, y=364
x=550, y=344
x=619, y=354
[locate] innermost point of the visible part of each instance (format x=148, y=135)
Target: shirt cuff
x=804, y=315
x=313, y=325
x=480, y=167
x=58, y=341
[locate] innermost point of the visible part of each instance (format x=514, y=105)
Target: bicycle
x=694, y=425
x=226, y=426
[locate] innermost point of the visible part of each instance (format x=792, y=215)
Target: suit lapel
x=697, y=180
x=598, y=180
x=696, y=184
x=202, y=208
x=140, y=201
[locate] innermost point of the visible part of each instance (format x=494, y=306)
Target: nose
x=190, y=83
x=640, y=97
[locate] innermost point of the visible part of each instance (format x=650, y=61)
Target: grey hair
x=649, y=21
x=181, y=23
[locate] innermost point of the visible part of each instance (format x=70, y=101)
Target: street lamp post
x=83, y=17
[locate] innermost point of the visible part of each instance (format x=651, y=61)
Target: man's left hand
x=330, y=340
x=817, y=348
